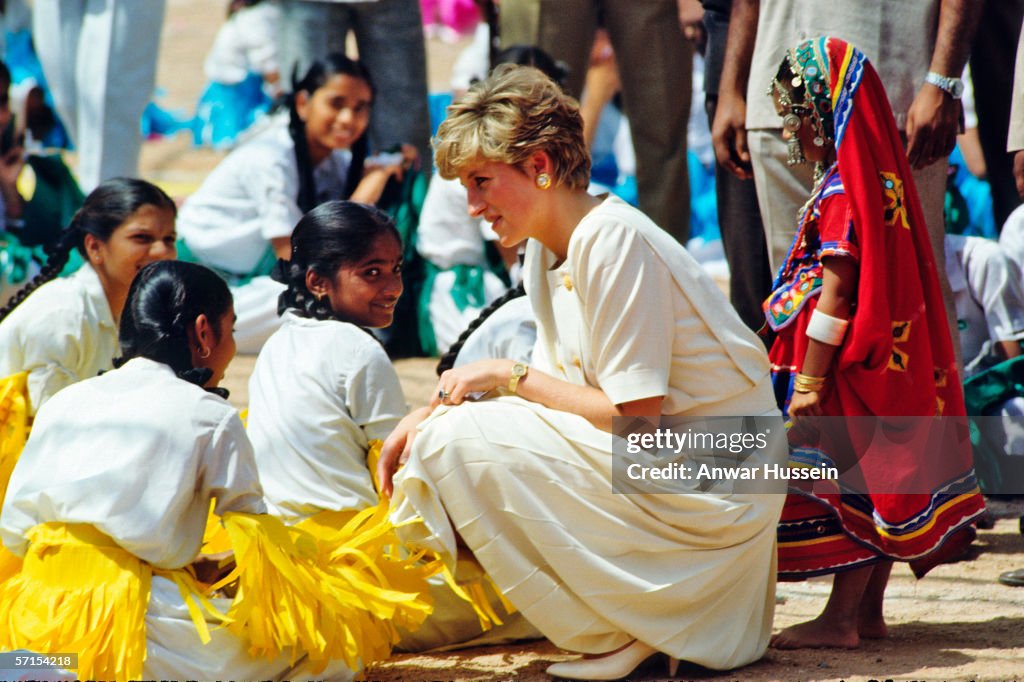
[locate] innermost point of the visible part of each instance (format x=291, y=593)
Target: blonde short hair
x=515, y=112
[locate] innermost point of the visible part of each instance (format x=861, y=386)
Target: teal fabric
x=15, y=259
x=404, y=202
x=983, y=395
x=56, y=199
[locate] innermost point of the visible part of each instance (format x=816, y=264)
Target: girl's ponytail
x=163, y=303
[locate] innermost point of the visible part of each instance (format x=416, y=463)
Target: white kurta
x=62, y=333
x=988, y=296
x=319, y=393
x=249, y=199
x=138, y=454
x=529, y=490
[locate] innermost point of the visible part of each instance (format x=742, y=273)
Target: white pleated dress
x=529, y=490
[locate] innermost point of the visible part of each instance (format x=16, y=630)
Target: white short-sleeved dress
x=321, y=390
x=138, y=453
x=62, y=333
x=529, y=489
x=249, y=199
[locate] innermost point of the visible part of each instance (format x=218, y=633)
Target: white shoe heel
x=611, y=667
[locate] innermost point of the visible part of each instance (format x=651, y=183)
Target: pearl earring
x=543, y=181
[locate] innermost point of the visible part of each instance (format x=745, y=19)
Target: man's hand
x=933, y=123
x=729, y=136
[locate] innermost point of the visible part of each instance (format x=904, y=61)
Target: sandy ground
x=957, y=624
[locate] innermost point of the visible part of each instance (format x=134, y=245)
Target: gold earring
x=543, y=181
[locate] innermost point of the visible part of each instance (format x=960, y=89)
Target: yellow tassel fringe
x=14, y=425
x=78, y=592
x=337, y=596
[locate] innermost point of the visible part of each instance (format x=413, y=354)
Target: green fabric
x=54, y=202
x=428, y=342
x=983, y=394
x=468, y=287
x=403, y=202
x=15, y=259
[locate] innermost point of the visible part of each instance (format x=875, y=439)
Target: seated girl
x=628, y=325
x=112, y=495
x=65, y=330
x=239, y=221
x=323, y=392
x=243, y=70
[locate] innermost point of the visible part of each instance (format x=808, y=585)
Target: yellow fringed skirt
x=78, y=592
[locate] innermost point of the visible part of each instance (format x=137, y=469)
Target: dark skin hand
x=933, y=120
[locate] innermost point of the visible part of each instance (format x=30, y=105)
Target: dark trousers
x=992, y=63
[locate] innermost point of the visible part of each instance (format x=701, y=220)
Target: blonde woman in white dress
x=627, y=324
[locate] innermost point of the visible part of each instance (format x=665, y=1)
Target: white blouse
x=988, y=298
x=631, y=312
x=137, y=453
x=62, y=333
x=250, y=198
x=321, y=390
x=246, y=43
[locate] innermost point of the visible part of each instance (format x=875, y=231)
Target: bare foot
x=816, y=634
x=875, y=629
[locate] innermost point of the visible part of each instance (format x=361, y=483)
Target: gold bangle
x=808, y=384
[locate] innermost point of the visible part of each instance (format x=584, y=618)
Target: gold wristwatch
x=519, y=371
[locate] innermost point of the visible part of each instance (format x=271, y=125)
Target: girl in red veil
x=862, y=340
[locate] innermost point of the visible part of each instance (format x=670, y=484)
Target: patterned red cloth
x=896, y=359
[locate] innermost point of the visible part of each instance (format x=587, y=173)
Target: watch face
x=956, y=88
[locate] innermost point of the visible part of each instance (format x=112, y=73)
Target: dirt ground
x=956, y=624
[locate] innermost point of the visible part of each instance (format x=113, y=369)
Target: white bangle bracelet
x=827, y=329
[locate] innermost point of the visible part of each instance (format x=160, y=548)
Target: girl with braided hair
x=323, y=388
x=323, y=395
x=64, y=330
x=239, y=221
x=109, y=503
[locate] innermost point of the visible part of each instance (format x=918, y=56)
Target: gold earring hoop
x=543, y=181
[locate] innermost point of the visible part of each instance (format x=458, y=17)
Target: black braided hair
x=163, y=303
x=319, y=72
x=447, y=360
x=105, y=209
x=333, y=234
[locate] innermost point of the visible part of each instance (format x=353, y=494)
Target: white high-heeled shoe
x=611, y=667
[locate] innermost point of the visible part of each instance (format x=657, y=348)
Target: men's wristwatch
x=954, y=87
x=519, y=371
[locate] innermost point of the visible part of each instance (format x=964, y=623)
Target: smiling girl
x=65, y=330
x=240, y=219
x=323, y=388
x=324, y=394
